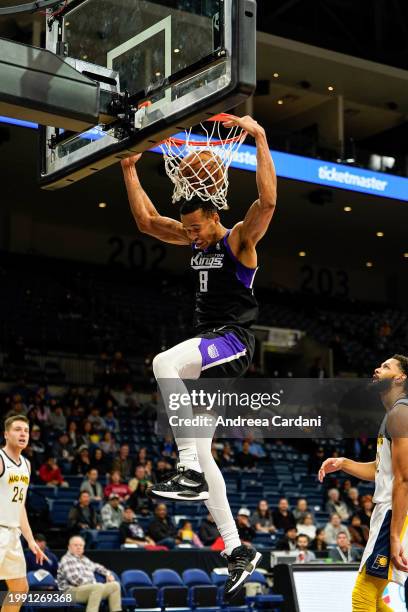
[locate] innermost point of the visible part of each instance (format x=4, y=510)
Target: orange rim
x=220, y=118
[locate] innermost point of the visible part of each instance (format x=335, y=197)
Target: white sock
x=217, y=503
x=188, y=456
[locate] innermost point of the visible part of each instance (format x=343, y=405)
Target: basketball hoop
x=200, y=167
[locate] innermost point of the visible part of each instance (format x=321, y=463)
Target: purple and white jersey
x=224, y=293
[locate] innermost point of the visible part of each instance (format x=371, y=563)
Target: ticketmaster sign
x=304, y=169
x=330, y=175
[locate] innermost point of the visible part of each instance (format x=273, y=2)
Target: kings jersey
x=224, y=294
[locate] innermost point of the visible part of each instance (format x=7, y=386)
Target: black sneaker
x=184, y=485
x=241, y=563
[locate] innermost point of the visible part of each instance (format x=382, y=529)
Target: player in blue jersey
x=225, y=262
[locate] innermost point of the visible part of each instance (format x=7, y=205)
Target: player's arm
x=397, y=426
x=363, y=471
x=147, y=218
x=258, y=217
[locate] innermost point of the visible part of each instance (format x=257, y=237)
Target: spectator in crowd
x=227, y=459
x=112, y=513
x=64, y=452
x=245, y=530
x=187, y=535
x=51, y=474
x=319, y=542
x=168, y=447
x=306, y=526
x=334, y=504
x=58, y=419
x=244, y=459
x=111, y=422
x=208, y=531
x=83, y=517
x=108, y=444
x=117, y=486
x=100, y=462
x=131, y=532
x=343, y=552
x=98, y=422
x=345, y=488
x=123, y=462
x=82, y=463
x=161, y=470
x=255, y=447
x=282, y=517
x=92, y=485
x=304, y=555
x=288, y=542
x=352, y=500
x=50, y=563
x=73, y=434
x=106, y=399
x=86, y=436
x=76, y=576
x=141, y=457
x=367, y=510
x=261, y=519
x=37, y=444
x=148, y=466
x=301, y=509
x=139, y=500
x=358, y=532
x=39, y=412
x=161, y=529
x=315, y=460
x=333, y=528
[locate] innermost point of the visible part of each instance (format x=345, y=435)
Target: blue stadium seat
x=59, y=511
x=138, y=585
x=202, y=593
x=172, y=592
x=107, y=540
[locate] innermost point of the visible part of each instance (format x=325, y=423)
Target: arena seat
x=59, y=512
x=172, y=592
x=107, y=540
x=202, y=593
x=137, y=584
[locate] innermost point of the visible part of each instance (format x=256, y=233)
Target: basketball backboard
x=185, y=59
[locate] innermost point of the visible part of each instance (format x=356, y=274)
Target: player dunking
x=384, y=557
x=225, y=263
x=14, y=481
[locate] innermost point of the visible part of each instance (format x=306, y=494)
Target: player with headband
x=225, y=262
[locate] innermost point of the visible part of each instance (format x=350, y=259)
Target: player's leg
x=242, y=560
x=16, y=588
x=170, y=367
x=367, y=594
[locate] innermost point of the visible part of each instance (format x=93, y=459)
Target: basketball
x=203, y=168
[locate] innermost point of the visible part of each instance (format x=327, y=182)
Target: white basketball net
x=221, y=144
